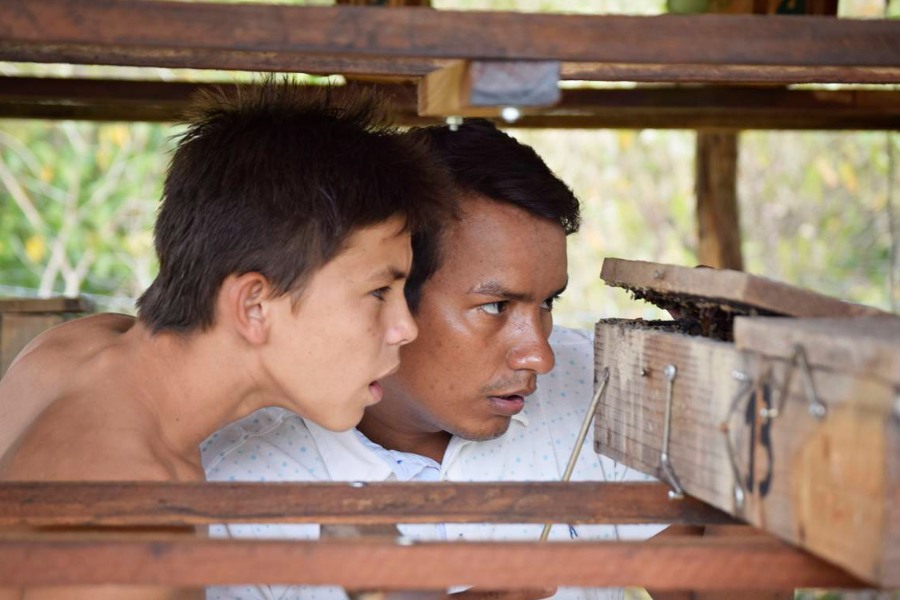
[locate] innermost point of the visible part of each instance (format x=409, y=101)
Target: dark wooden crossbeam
x=169, y=504
x=404, y=41
x=732, y=563
x=686, y=107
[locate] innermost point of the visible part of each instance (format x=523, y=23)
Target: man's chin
x=483, y=434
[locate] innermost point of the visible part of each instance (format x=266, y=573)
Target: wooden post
x=718, y=222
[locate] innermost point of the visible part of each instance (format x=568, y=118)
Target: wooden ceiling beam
x=686, y=107
x=291, y=38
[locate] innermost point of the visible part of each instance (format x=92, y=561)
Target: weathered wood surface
x=829, y=485
x=681, y=107
x=278, y=37
x=695, y=563
x=725, y=73
x=868, y=346
x=713, y=286
x=88, y=504
x=481, y=88
x=216, y=502
x=718, y=222
x=45, y=305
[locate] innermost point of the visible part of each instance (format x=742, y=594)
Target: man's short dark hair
x=482, y=160
x=274, y=179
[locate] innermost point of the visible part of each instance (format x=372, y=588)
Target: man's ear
x=243, y=302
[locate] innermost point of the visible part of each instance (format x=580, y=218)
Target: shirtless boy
x=284, y=243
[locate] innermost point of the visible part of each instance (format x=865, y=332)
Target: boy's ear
x=244, y=300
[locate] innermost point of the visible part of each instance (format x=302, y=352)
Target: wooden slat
x=275, y=37
x=120, y=504
x=681, y=107
x=865, y=346
x=45, y=305
x=702, y=564
x=713, y=285
x=726, y=73
x=824, y=484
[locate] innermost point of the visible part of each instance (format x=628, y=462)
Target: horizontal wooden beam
x=729, y=563
x=683, y=107
x=46, y=305
x=279, y=38
x=117, y=504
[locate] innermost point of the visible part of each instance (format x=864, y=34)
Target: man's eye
x=380, y=293
x=493, y=308
x=548, y=303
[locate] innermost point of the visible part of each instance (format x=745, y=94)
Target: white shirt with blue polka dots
x=276, y=445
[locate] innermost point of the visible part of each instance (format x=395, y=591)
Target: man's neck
x=382, y=430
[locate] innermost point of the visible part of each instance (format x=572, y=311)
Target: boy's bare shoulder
x=73, y=441
x=79, y=337
x=60, y=363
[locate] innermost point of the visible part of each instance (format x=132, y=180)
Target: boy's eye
x=493, y=308
x=381, y=292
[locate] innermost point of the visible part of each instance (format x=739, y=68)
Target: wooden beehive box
x=817, y=465
x=21, y=319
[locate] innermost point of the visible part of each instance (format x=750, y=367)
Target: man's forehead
x=500, y=245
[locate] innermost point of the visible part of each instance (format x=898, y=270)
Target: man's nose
x=532, y=353
x=402, y=328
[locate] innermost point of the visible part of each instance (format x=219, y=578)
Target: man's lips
x=510, y=402
x=507, y=406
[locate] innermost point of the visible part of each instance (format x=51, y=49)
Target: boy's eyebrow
x=389, y=273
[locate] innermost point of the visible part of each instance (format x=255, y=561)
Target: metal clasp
x=670, y=372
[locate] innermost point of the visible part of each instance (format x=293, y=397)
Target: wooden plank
x=725, y=73
x=482, y=88
x=673, y=107
x=824, y=484
x=350, y=31
x=771, y=7
x=93, y=504
x=717, y=286
x=718, y=222
x=46, y=305
x=866, y=346
x=703, y=564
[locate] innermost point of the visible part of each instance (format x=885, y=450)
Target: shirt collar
x=345, y=457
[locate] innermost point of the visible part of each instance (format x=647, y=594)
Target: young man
x=477, y=396
x=284, y=245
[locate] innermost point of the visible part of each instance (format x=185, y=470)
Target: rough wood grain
x=716, y=286
x=349, y=31
x=45, y=305
x=867, y=346
x=725, y=73
x=703, y=564
x=673, y=107
x=824, y=484
x=92, y=504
